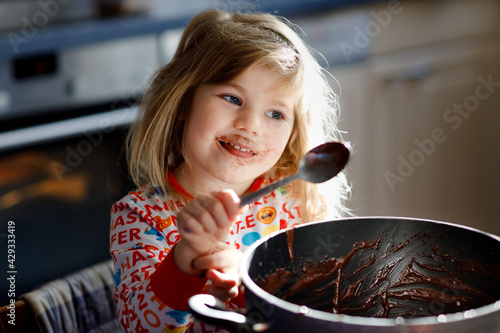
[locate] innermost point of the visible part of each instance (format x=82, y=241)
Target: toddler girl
x=237, y=107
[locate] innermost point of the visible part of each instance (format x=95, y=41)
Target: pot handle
x=209, y=309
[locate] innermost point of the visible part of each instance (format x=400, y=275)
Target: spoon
x=317, y=166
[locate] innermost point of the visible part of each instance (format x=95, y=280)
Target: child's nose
x=248, y=120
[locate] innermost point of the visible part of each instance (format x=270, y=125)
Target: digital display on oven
x=35, y=66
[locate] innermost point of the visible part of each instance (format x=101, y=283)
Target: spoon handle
x=250, y=197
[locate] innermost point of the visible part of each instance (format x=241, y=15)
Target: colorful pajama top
x=151, y=293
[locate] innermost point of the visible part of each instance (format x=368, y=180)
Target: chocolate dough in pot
x=387, y=280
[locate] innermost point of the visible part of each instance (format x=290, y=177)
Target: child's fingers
x=222, y=293
x=215, y=207
x=208, y=218
x=188, y=222
x=224, y=286
x=208, y=212
x=218, y=260
x=231, y=203
x=222, y=280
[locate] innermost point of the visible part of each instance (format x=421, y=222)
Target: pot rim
x=358, y=320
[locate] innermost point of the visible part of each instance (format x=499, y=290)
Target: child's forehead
x=257, y=72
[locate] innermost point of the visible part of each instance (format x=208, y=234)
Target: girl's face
x=236, y=131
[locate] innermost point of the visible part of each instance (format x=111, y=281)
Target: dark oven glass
x=59, y=196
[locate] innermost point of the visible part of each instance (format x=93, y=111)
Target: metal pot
x=421, y=275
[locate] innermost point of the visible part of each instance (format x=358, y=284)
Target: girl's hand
x=208, y=219
x=202, y=224
x=225, y=286
x=222, y=269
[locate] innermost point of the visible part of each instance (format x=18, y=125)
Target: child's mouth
x=237, y=150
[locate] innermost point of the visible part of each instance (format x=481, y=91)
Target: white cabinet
x=423, y=115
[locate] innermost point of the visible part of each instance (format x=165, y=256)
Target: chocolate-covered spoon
x=318, y=165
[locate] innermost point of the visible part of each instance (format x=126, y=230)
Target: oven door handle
x=103, y=122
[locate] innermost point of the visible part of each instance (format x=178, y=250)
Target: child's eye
x=232, y=99
x=275, y=114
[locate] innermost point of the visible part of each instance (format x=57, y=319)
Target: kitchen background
x=419, y=86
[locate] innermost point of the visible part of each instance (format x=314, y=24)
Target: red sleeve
x=173, y=287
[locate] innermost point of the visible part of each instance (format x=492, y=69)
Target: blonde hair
x=215, y=47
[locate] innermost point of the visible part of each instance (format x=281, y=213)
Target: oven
x=65, y=108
